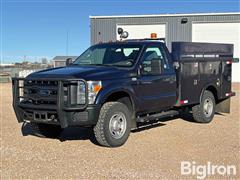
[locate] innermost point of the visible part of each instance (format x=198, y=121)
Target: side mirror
x=68, y=61
x=156, y=66
x=176, y=65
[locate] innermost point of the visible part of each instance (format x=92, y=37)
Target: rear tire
x=46, y=130
x=114, y=125
x=204, y=112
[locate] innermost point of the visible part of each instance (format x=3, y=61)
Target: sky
x=33, y=29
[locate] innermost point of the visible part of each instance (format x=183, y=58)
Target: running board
x=157, y=116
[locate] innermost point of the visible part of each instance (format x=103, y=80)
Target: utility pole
x=67, y=44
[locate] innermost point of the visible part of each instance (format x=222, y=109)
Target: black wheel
x=46, y=130
x=113, y=126
x=204, y=112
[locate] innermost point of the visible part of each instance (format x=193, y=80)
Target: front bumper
x=63, y=114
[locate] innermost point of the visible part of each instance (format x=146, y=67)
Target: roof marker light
x=153, y=35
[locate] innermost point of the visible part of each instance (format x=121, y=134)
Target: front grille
x=39, y=82
x=37, y=92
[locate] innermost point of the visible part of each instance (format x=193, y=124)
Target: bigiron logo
x=208, y=169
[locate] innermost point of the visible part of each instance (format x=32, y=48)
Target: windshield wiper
x=102, y=64
x=93, y=64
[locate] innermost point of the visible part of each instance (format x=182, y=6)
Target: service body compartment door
x=189, y=80
x=210, y=71
x=226, y=78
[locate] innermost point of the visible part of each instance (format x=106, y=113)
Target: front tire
x=204, y=112
x=113, y=126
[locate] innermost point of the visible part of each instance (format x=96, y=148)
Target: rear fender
x=222, y=106
x=205, y=88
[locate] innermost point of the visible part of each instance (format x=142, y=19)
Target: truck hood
x=83, y=72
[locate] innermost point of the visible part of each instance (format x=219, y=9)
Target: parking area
x=153, y=151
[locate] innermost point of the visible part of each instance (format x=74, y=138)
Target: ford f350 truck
x=114, y=86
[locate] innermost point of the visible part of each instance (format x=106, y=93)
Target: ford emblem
x=44, y=92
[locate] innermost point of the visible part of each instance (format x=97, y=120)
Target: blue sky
x=37, y=29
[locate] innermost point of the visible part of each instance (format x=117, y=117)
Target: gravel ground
x=152, y=152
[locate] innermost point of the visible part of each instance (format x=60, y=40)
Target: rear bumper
x=59, y=114
x=230, y=94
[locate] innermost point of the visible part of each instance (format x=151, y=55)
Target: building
x=203, y=27
x=59, y=61
x=44, y=61
x=6, y=65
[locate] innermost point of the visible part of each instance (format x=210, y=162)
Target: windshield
x=123, y=55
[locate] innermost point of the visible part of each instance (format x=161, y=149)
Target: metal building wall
x=104, y=29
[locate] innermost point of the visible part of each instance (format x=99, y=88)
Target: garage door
x=220, y=33
x=143, y=31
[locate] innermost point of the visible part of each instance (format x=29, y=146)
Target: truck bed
x=201, y=66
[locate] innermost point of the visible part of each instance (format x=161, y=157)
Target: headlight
x=93, y=88
x=75, y=94
x=81, y=99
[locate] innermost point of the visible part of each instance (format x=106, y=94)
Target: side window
x=152, y=61
x=166, y=61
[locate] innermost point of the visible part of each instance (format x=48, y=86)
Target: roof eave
x=165, y=15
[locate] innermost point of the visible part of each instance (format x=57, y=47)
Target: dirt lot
x=151, y=152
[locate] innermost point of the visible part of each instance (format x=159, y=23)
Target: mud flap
x=224, y=106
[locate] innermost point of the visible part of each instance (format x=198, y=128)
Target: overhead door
x=143, y=31
x=220, y=33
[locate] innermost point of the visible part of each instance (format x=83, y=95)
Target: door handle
x=145, y=82
x=170, y=79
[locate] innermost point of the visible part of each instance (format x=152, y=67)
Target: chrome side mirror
x=68, y=61
x=176, y=65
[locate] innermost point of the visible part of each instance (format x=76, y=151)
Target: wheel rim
x=117, y=125
x=208, y=107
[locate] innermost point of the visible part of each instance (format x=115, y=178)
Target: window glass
x=124, y=55
x=157, y=50
x=166, y=66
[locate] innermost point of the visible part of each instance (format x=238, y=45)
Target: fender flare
x=103, y=95
x=204, y=89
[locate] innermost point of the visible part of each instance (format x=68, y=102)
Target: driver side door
x=156, y=86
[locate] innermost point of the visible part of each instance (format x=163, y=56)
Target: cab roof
x=135, y=41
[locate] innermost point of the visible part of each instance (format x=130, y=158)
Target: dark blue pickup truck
x=112, y=87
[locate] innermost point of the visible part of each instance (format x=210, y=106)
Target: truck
x=113, y=87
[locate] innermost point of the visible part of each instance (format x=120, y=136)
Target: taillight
x=183, y=102
x=229, y=94
x=229, y=62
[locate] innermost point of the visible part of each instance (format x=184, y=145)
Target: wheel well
x=213, y=90
x=124, y=98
